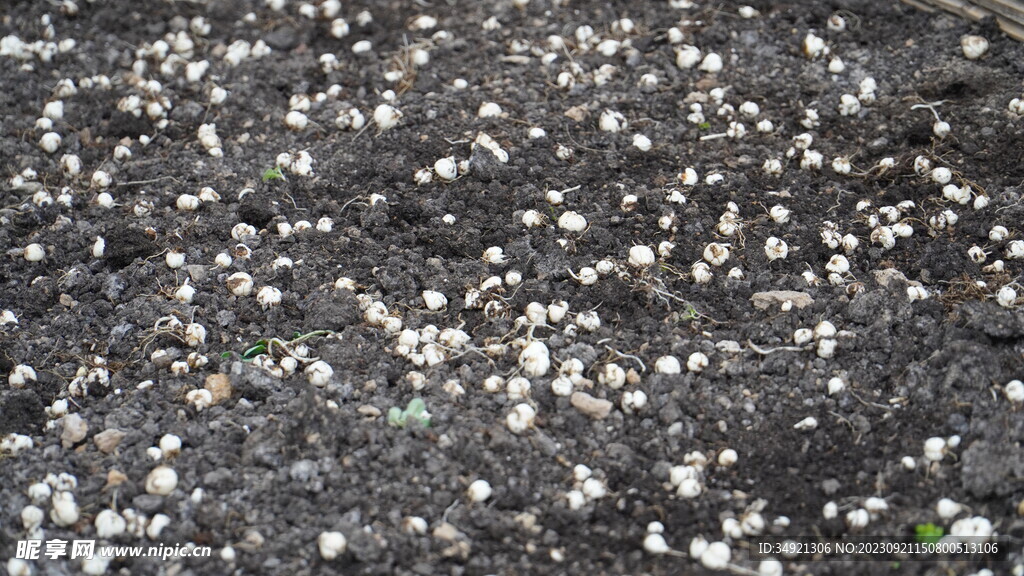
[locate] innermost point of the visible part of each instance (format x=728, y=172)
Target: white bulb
x=712, y=63
x=34, y=253
x=535, y=360
x=319, y=373
x=775, y=249
x=386, y=116
x=716, y=556
x=947, y=508
x=611, y=121
x=935, y=449
x=654, y=543
x=161, y=481
x=435, y=301
x=667, y=365
x=109, y=524
x=716, y=254
x=642, y=143
x=1014, y=391
x=857, y=519
x=479, y=491
x=65, y=511
x=268, y=296
x=446, y=168
x=489, y=110
x=331, y=545
x=641, y=256
x=50, y=142
x=521, y=418
x=240, y=284
x=697, y=362
x=174, y=259
x=728, y=457
x=572, y=222
x=973, y=47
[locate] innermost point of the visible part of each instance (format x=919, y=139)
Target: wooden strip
x=1012, y=11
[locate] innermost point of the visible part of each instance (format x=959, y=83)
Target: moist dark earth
x=271, y=461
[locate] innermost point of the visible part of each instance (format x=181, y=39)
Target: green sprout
x=273, y=174
x=416, y=411
x=704, y=125
x=266, y=345
x=928, y=533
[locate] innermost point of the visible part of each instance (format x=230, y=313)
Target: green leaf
x=416, y=407
x=273, y=174
x=396, y=417
x=928, y=533
x=259, y=348
x=704, y=125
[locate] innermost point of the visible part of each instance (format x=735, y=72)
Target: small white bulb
x=331, y=545
x=1015, y=250
x=187, y=202
x=612, y=121
x=727, y=457
x=809, y=423
x=521, y=418
x=268, y=296
x=65, y=511
x=1006, y=297
x=572, y=222
x=712, y=63
x=588, y=321
x=641, y=256
x=185, y=293
x=161, y=481
x=857, y=519
x=240, y=284
x=667, y=365
x=435, y=301
x=50, y=142
x=489, y=110
x=174, y=259
x=34, y=253
x=446, y=168
x=947, y=509
x=716, y=254
x=701, y=273
x=716, y=556
x=697, y=362
x=479, y=491
x=654, y=543
x=775, y=249
x=109, y=524
x=386, y=116
x=824, y=329
x=1014, y=391
x=973, y=46
x=642, y=143
x=935, y=449
x=535, y=359
x=319, y=373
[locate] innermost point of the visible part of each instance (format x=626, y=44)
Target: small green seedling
x=273, y=174
x=266, y=345
x=704, y=125
x=928, y=533
x=416, y=411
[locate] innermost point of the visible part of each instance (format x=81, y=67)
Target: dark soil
x=265, y=471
